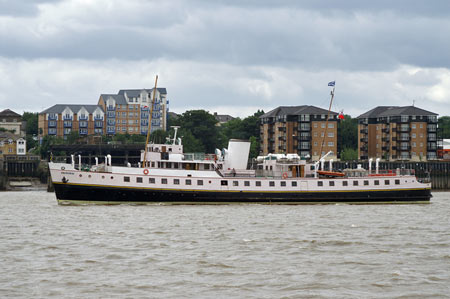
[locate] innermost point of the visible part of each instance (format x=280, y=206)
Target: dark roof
x=119, y=98
x=59, y=108
x=383, y=111
x=8, y=112
x=136, y=92
x=296, y=110
x=7, y=135
x=223, y=117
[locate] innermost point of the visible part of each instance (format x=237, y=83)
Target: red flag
x=341, y=115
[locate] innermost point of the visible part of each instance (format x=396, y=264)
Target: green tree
x=32, y=122
x=190, y=143
x=73, y=137
x=158, y=136
x=349, y=154
x=444, y=126
x=348, y=133
x=202, y=126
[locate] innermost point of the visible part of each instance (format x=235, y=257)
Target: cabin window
x=163, y=181
x=283, y=184
x=386, y=182
x=366, y=183
x=376, y=182
x=397, y=182
x=126, y=179
x=258, y=183
x=355, y=183
x=138, y=180
x=200, y=182
x=272, y=184
x=331, y=183
x=176, y=181
x=320, y=183
x=168, y=165
x=294, y=184
x=153, y=164
x=175, y=165
x=235, y=183
x=188, y=182
x=206, y=166
x=151, y=180
x=344, y=183
x=224, y=183
x=246, y=183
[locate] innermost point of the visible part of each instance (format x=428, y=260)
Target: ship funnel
x=237, y=155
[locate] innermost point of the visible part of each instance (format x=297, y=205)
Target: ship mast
x=149, y=123
x=328, y=116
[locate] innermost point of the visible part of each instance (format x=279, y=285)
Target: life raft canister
x=285, y=175
x=146, y=171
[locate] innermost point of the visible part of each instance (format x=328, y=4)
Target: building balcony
x=432, y=120
x=364, y=157
x=111, y=108
x=83, y=117
x=83, y=125
x=304, y=138
x=98, y=117
x=283, y=138
x=403, y=129
x=83, y=131
x=67, y=124
x=282, y=129
x=67, y=117
x=364, y=139
x=111, y=122
x=431, y=138
x=385, y=130
x=363, y=148
x=52, y=117
x=111, y=131
x=52, y=124
x=405, y=147
x=98, y=125
x=404, y=139
x=304, y=128
x=364, y=131
x=385, y=139
x=385, y=148
x=432, y=148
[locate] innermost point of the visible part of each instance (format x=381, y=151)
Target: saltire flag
x=341, y=115
x=332, y=83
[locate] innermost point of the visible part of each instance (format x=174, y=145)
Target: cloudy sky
x=229, y=56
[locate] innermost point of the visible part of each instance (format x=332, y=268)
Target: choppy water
x=243, y=251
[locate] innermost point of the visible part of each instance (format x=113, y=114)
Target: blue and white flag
x=331, y=83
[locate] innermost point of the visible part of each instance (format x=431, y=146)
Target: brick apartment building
x=299, y=130
x=398, y=133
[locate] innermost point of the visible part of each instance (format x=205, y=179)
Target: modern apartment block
x=398, y=133
x=299, y=130
x=61, y=120
x=128, y=111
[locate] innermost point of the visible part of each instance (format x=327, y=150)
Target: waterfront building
x=299, y=130
x=222, y=118
x=12, y=122
x=128, y=111
x=398, y=133
x=12, y=144
x=60, y=120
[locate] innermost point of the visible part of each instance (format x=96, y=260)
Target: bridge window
x=126, y=179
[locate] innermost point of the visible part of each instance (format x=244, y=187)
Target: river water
x=227, y=251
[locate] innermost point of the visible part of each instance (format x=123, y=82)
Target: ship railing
x=199, y=157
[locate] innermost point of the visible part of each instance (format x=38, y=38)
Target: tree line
x=201, y=132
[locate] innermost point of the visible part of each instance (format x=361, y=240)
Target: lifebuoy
x=285, y=175
x=145, y=171
x=62, y=168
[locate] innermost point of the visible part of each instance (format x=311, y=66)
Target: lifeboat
x=330, y=173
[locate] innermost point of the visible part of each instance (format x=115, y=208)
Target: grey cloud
x=21, y=8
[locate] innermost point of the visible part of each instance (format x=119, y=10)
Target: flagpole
x=326, y=123
x=149, y=123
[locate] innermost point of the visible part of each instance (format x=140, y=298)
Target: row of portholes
x=89, y=176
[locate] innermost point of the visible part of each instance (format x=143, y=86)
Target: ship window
x=151, y=180
x=138, y=180
x=206, y=166
x=397, y=182
x=188, y=182
x=355, y=183
x=175, y=165
x=200, y=182
x=235, y=183
x=366, y=183
x=283, y=184
x=344, y=183
x=331, y=183
x=246, y=183
x=272, y=184
x=294, y=184
x=258, y=183
x=176, y=181
x=168, y=165
x=153, y=164
x=224, y=183
x=386, y=182
x=376, y=182
x=320, y=183
x=126, y=179
x=163, y=181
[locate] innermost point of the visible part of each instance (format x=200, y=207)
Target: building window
x=322, y=125
x=413, y=126
x=126, y=179
x=163, y=181
x=200, y=182
x=271, y=183
x=138, y=180
x=330, y=134
x=330, y=144
x=294, y=184
x=331, y=126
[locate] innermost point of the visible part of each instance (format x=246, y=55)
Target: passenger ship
x=166, y=175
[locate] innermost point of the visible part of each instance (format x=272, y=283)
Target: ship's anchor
x=64, y=180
